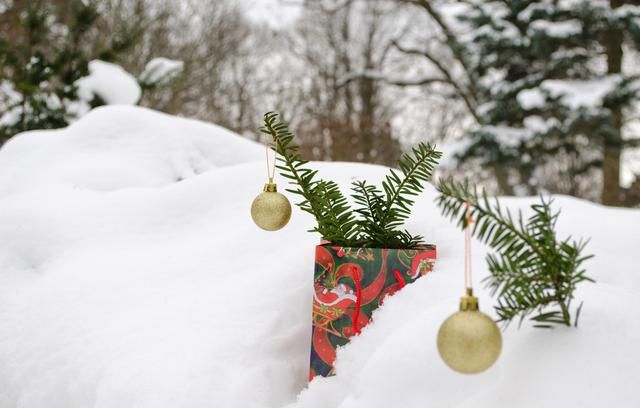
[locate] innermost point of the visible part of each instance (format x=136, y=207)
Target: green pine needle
x=377, y=216
x=533, y=273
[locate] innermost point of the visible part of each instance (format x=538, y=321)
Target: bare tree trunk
x=613, y=146
x=351, y=118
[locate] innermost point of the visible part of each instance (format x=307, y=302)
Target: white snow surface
x=133, y=276
x=110, y=82
x=119, y=147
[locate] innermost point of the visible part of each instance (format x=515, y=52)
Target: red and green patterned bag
x=349, y=284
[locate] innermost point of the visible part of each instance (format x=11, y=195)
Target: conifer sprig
x=377, y=216
x=533, y=273
x=416, y=170
x=322, y=199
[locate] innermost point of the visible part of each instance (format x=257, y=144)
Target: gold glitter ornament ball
x=469, y=341
x=271, y=210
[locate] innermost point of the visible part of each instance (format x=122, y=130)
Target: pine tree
x=43, y=52
x=543, y=80
x=545, y=103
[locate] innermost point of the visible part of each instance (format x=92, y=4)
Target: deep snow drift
x=131, y=275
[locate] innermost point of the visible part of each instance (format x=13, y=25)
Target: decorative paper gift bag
x=349, y=284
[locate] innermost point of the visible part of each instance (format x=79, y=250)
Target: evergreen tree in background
x=551, y=92
x=45, y=47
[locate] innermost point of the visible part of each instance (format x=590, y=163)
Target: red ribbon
x=399, y=278
x=356, y=315
x=356, y=279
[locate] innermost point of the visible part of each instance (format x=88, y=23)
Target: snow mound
x=110, y=82
x=116, y=147
x=121, y=287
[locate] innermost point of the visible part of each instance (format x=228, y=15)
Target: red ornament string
x=468, y=284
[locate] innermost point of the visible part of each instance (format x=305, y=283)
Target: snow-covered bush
x=50, y=76
x=159, y=72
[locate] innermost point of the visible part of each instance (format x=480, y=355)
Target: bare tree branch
x=379, y=76
x=467, y=96
x=452, y=41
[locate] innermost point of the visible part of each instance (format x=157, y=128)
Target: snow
x=450, y=13
x=530, y=98
x=539, y=124
x=133, y=276
x=160, y=71
x=627, y=10
x=119, y=147
x=110, y=82
x=507, y=135
x=12, y=107
x=587, y=93
x=557, y=29
x=573, y=4
x=526, y=14
x=9, y=100
x=574, y=94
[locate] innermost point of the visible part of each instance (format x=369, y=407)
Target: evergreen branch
x=371, y=203
x=380, y=214
x=292, y=161
x=335, y=221
x=370, y=198
x=396, y=208
x=533, y=273
x=492, y=224
x=338, y=221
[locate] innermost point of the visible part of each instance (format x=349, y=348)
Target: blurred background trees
x=350, y=115
x=45, y=47
x=523, y=96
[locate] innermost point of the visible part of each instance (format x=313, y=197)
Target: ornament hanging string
x=468, y=284
x=469, y=341
x=271, y=170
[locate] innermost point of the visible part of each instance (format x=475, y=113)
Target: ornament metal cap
x=270, y=187
x=469, y=302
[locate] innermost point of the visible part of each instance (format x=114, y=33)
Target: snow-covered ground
x=131, y=275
